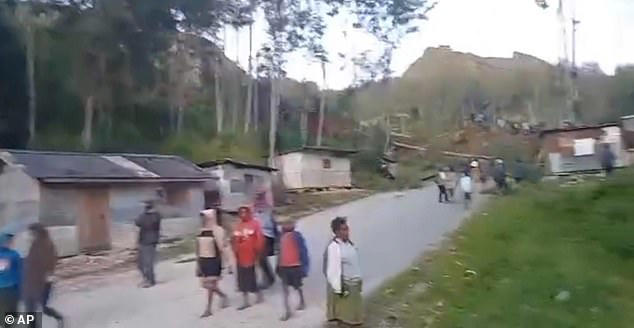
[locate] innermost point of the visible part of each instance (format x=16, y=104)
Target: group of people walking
x=29, y=280
x=448, y=181
x=248, y=246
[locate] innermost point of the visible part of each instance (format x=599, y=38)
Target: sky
x=490, y=28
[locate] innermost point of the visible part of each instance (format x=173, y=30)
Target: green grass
x=525, y=249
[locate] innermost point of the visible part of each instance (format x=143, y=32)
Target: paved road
x=391, y=230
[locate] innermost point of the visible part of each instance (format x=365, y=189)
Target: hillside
x=444, y=86
x=140, y=90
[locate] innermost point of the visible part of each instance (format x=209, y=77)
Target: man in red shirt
x=247, y=241
x=293, y=264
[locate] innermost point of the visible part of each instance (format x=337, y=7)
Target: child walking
x=293, y=265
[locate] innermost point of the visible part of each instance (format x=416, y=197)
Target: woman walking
x=343, y=273
x=39, y=266
x=210, y=244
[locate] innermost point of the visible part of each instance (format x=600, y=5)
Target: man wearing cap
x=149, y=224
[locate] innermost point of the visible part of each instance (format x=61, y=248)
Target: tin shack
x=237, y=183
x=316, y=168
x=90, y=201
x=579, y=149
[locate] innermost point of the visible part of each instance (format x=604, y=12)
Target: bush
x=243, y=148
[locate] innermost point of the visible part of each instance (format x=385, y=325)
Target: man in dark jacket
x=499, y=175
x=607, y=159
x=149, y=224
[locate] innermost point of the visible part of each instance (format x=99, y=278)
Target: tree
x=248, y=110
x=308, y=32
x=181, y=76
x=218, y=64
x=622, y=95
x=13, y=95
x=31, y=19
x=103, y=75
x=277, y=16
x=293, y=25
x=322, y=105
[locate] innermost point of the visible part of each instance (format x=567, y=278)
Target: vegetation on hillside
x=548, y=256
x=444, y=87
x=150, y=76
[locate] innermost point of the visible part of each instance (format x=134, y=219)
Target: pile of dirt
x=83, y=264
x=475, y=140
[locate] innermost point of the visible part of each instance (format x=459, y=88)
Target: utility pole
x=568, y=75
x=575, y=22
x=574, y=92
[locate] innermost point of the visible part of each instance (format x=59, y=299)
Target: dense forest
x=151, y=76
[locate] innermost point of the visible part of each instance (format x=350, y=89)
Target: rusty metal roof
x=577, y=128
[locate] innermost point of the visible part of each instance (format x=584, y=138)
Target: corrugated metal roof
x=79, y=167
x=237, y=164
x=577, y=128
x=334, y=151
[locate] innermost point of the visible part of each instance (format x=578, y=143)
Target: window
x=248, y=183
x=236, y=186
x=326, y=164
x=259, y=181
x=212, y=199
x=584, y=147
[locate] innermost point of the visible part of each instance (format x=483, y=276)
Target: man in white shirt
x=466, y=184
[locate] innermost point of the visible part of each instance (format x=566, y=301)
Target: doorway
x=94, y=219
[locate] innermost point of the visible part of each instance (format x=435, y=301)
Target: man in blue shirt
x=10, y=275
x=264, y=214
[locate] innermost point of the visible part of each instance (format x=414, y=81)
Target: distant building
x=315, y=167
x=90, y=201
x=578, y=149
x=238, y=183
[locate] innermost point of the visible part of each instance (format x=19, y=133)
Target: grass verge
x=548, y=256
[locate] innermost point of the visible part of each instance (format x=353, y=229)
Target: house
x=238, y=183
x=578, y=149
x=315, y=167
x=89, y=201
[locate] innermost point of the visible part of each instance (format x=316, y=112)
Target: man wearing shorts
x=293, y=265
